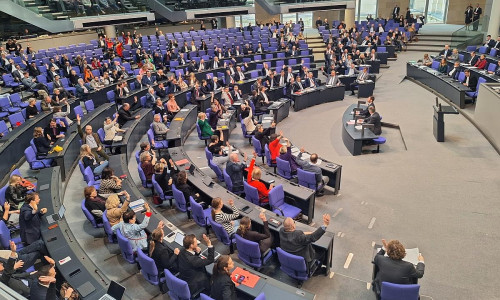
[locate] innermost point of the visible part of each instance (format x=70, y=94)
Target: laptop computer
x=55, y=217
x=179, y=239
x=115, y=291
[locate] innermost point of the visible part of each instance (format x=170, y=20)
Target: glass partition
x=307, y=18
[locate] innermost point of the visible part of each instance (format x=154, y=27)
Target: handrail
x=466, y=36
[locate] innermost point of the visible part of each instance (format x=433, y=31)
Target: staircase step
x=417, y=47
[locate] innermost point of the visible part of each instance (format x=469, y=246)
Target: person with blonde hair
x=15, y=192
x=88, y=160
x=206, y=129
x=392, y=268
x=114, y=212
x=42, y=143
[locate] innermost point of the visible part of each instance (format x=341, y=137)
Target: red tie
x=230, y=98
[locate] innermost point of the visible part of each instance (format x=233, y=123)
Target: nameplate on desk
x=44, y=187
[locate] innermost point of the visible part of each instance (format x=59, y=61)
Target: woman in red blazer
x=481, y=62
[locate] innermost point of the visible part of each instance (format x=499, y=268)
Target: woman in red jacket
x=275, y=146
x=253, y=178
x=481, y=62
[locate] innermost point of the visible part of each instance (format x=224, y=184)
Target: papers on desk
x=411, y=255
x=358, y=127
x=118, y=138
x=295, y=151
x=137, y=205
x=351, y=122
x=184, y=109
x=368, y=81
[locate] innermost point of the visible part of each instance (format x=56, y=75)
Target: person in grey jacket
x=159, y=128
x=311, y=166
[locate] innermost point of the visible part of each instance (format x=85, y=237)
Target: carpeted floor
x=439, y=197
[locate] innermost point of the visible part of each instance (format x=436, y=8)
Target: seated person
x=469, y=81
x=365, y=113
x=299, y=243
x=31, y=109
x=147, y=165
x=172, y=106
x=110, y=183
x=159, y=109
x=41, y=141
x=393, y=269
x=88, y=159
x=222, y=285
x=94, y=203
x=182, y=185
x=374, y=119
x=30, y=219
x=160, y=252
x=247, y=118
x=286, y=154
x=146, y=147
x=263, y=239
x=114, y=212
x=427, y=61
x=253, y=179
x=262, y=134
x=91, y=139
x=16, y=192
x=124, y=115
x=234, y=169
x=164, y=177
x=230, y=221
x=135, y=232
x=192, y=266
x=55, y=130
x=216, y=143
x=159, y=128
x=111, y=128
x=443, y=66
x=311, y=166
x=481, y=62
x=275, y=146
x=214, y=115
x=206, y=129
x=219, y=158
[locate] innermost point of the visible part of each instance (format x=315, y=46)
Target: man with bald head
x=312, y=166
x=297, y=242
x=234, y=169
x=92, y=139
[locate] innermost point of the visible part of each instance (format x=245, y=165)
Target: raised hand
x=18, y=264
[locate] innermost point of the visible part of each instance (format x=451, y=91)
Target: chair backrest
x=307, y=179
x=208, y=154
x=261, y=296
x=3, y=127
x=269, y=161
x=284, y=168
x=461, y=76
x=148, y=267
x=125, y=247
x=392, y=291
x=88, y=214
x=2, y=195
x=248, y=251
x=180, y=200
x=220, y=232
x=227, y=180
x=107, y=226
x=276, y=196
x=435, y=64
x=251, y=193
x=198, y=213
x=78, y=110
x=30, y=155
x=89, y=105
x=178, y=289
x=257, y=146
x=205, y=297
x=16, y=119
x=479, y=81
x=4, y=235
x=216, y=170
x=142, y=176
x=293, y=265
x=110, y=95
x=88, y=174
x=101, y=134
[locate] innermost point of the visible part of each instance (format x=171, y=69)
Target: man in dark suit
x=395, y=12
x=228, y=78
x=51, y=74
x=45, y=287
x=150, y=98
x=365, y=113
x=192, y=68
x=192, y=266
x=473, y=58
x=453, y=73
x=271, y=81
x=181, y=59
x=66, y=69
x=446, y=52
x=148, y=80
x=319, y=22
x=292, y=52
x=138, y=83
x=125, y=115
x=298, y=243
x=475, y=17
x=234, y=169
x=30, y=219
x=311, y=82
x=393, y=269
x=33, y=70
x=374, y=119
x=281, y=78
x=236, y=93
x=469, y=81
x=331, y=79
x=239, y=75
x=184, y=48
x=215, y=63
x=161, y=91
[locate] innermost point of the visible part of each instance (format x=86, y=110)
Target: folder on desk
x=178, y=119
x=182, y=162
x=250, y=279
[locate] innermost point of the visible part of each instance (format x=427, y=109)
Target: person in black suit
x=476, y=14
x=192, y=68
x=162, y=255
x=374, y=119
x=365, y=113
x=469, y=81
x=468, y=16
x=223, y=287
x=395, y=12
x=66, y=69
x=45, y=287
x=473, y=58
x=192, y=266
x=319, y=22
x=393, y=269
x=33, y=70
x=446, y=52
x=239, y=75
x=205, y=88
x=298, y=243
x=263, y=239
x=30, y=219
x=453, y=73
x=124, y=114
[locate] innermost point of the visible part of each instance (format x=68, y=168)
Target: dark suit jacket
x=148, y=81
x=395, y=271
x=223, y=288
x=237, y=76
x=30, y=224
x=138, y=85
x=472, y=82
x=447, y=54
x=40, y=292
x=192, y=269
x=300, y=244
x=375, y=120
x=12, y=279
x=473, y=60
x=164, y=257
